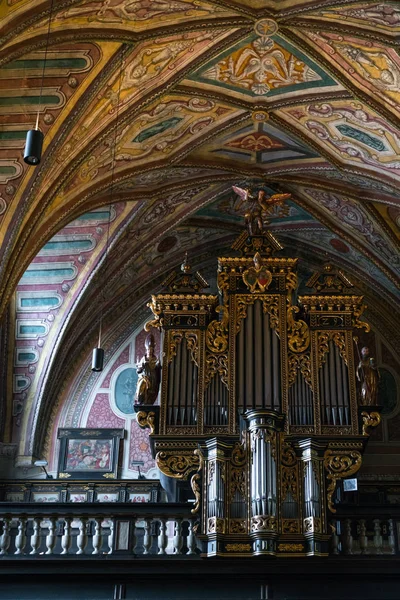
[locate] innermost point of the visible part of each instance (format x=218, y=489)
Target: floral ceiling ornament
x=262, y=64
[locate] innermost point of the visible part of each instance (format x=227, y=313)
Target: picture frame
x=89, y=453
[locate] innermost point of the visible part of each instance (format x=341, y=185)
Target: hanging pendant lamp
x=98, y=353
x=34, y=137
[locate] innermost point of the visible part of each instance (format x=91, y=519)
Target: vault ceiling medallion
x=261, y=67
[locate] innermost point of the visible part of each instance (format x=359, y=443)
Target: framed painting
x=89, y=453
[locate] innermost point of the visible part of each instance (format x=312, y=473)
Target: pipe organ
x=258, y=403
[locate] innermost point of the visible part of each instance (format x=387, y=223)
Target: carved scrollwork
x=179, y=466
x=291, y=282
x=241, y=310
x=323, y=345
x=238, y=547
x=290, y=526
x=271, y=306
x=312, y=525
x=215, y=525
x=175, y=339
x=298, y=331
x=146, y=419
x=262, y=523
x=339, y=464
x=216, y=363
x=217, y=332
x=238, y=458
x=290, y=547
x=223, y=284
x=192, y=341
x=289, y=472
x=194, y=483
x=357, y=312
x=302, y=362
x=237, y=526
x=371, y=419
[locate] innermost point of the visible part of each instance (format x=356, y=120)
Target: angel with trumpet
x=258, y=206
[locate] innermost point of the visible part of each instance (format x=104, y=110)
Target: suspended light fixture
x=34, y=137
x=98, y=353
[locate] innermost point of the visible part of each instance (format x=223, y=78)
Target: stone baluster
x=391, y=539
x=191, y=541
x=82, y=539
x=147, y=536
x=51, y=536
x=162, y=537
x=363, y=539
x=36, y=536
x=66, y=539
x=178, y=541
x=20, y=539
x=5, y=538
x=335, y=538
x=111, y=537
x=97, y=540
x=378, y=542
x=134, y=536
x=347, y=538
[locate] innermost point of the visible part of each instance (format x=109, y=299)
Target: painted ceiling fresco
x=151, y=111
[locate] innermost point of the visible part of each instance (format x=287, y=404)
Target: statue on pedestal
x=149, y=372
x=368, y=376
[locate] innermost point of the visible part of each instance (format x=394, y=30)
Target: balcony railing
x=95, y=530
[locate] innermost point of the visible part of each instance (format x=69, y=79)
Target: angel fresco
x=258, y=207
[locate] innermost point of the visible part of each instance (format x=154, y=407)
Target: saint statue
x=149, y=372
x=368, y=376
x=258, y=207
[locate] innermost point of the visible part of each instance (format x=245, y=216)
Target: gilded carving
x=146, y=419
x=323, y=345
x=290, y=547
x=192, y=342
x=271, y=306
x=175, y=339
x=157, y=311
x=237, y=526
x=339, y=464
x=302, y=362
x=290, y=526
x=238, y=547
x=371, y=419
x=298, y=331
x=177, y=465
x=217, y=332
x=216, y=363
x=223, y=284
x=194, y=483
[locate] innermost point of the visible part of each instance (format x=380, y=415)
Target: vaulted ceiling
x=158, y=107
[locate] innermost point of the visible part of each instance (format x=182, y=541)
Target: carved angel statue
x=149, y=371
x=258, y=207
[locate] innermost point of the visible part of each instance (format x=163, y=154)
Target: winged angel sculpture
x=258, y=207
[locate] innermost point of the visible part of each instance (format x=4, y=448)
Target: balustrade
x=363, y=536
x=93, y=530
